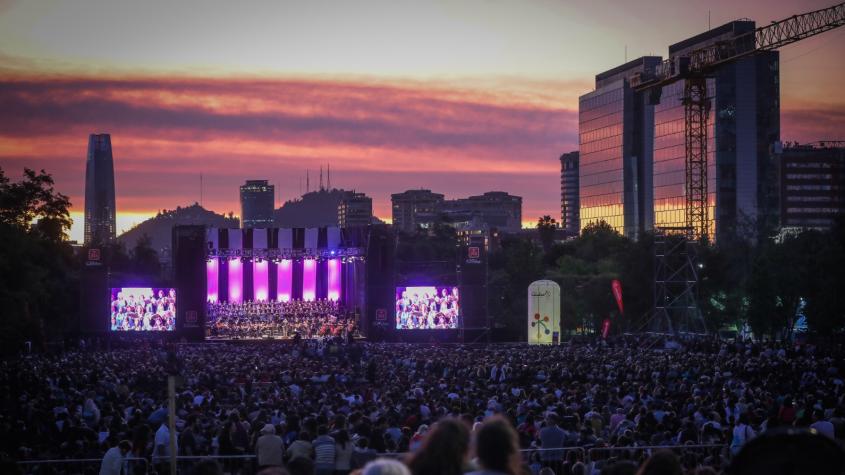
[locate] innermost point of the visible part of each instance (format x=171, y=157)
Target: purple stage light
x=212, y=268
x=334, y=279
x=309, y=280
x=260, y=279
x=284, y=283
x=236, y=274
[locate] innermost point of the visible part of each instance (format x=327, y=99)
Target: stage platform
x=267, y=339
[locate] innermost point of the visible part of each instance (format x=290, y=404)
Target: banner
x=617, y=294
x=605, y=328
x=543, y=313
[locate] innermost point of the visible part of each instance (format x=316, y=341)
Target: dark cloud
x=299, y=113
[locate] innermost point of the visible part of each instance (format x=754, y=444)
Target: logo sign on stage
x=473, y=255
x=381, y=315
x=93, y=257
x=543, y=313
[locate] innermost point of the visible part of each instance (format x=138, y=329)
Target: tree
x=38, y=272
x=32, y=205
x=546, y=227
x=723, y=275
x=144, y=261
x=822, y=258
x=762, y=298
x=511, y=270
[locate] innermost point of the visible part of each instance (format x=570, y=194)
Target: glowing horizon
x=488, y=103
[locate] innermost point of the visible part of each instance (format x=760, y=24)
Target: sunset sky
x=460, y=97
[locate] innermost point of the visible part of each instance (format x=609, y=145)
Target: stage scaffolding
x=676, y=269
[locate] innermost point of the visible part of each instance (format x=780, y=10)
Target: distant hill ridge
x=315, y=209
x=160, y=227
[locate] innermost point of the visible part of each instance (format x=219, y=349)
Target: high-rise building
x=354, y=209
x=615, y=124
x=99, y=191
x=257, y=198
x=632, y=144
x=569, y=208
x=407, y=205
x=744, y=123
x=812, y=184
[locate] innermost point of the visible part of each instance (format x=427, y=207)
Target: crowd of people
x=324, y=407
x=295, y=318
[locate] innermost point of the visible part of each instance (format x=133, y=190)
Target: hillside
x=160, y=227
x=314, y=209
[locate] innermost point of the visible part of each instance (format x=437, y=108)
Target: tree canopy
x=38, y=271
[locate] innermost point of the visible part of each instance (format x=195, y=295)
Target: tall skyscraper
x=354, y=209
x=569, y=208
x=100, y=224
x=257, y=198
x=632, y=144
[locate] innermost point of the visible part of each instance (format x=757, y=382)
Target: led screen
x=143, y=309
x=427, y=308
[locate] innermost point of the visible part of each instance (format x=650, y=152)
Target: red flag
x=605, y=328
x=617, y=293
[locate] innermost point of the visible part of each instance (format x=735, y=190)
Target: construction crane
x=696, y=66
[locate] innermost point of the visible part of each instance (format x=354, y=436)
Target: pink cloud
x=811, y=123
x=380, y=138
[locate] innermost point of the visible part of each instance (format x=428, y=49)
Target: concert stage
x=358, y=277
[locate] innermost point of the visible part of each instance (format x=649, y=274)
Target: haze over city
x=457, y=97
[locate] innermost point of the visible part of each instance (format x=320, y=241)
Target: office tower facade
x=354, y=209
x=407, y=205
x=100, y=223
x=569, y=209
x=257, y=197
x=744, y=123
x=812, y=184
x=493, y=210
x=632, y=144
x=615, y=146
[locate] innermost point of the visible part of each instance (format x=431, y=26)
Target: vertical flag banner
x=543, y=312
x=617, y=294
x=605, y=328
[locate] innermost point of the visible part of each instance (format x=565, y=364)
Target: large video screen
x=427, y=308
x=141, y=309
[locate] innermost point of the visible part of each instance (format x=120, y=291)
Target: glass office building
x=632, y=145
x=601, y=138
x=744, y=123
x=615, y=125
x=669, y=161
